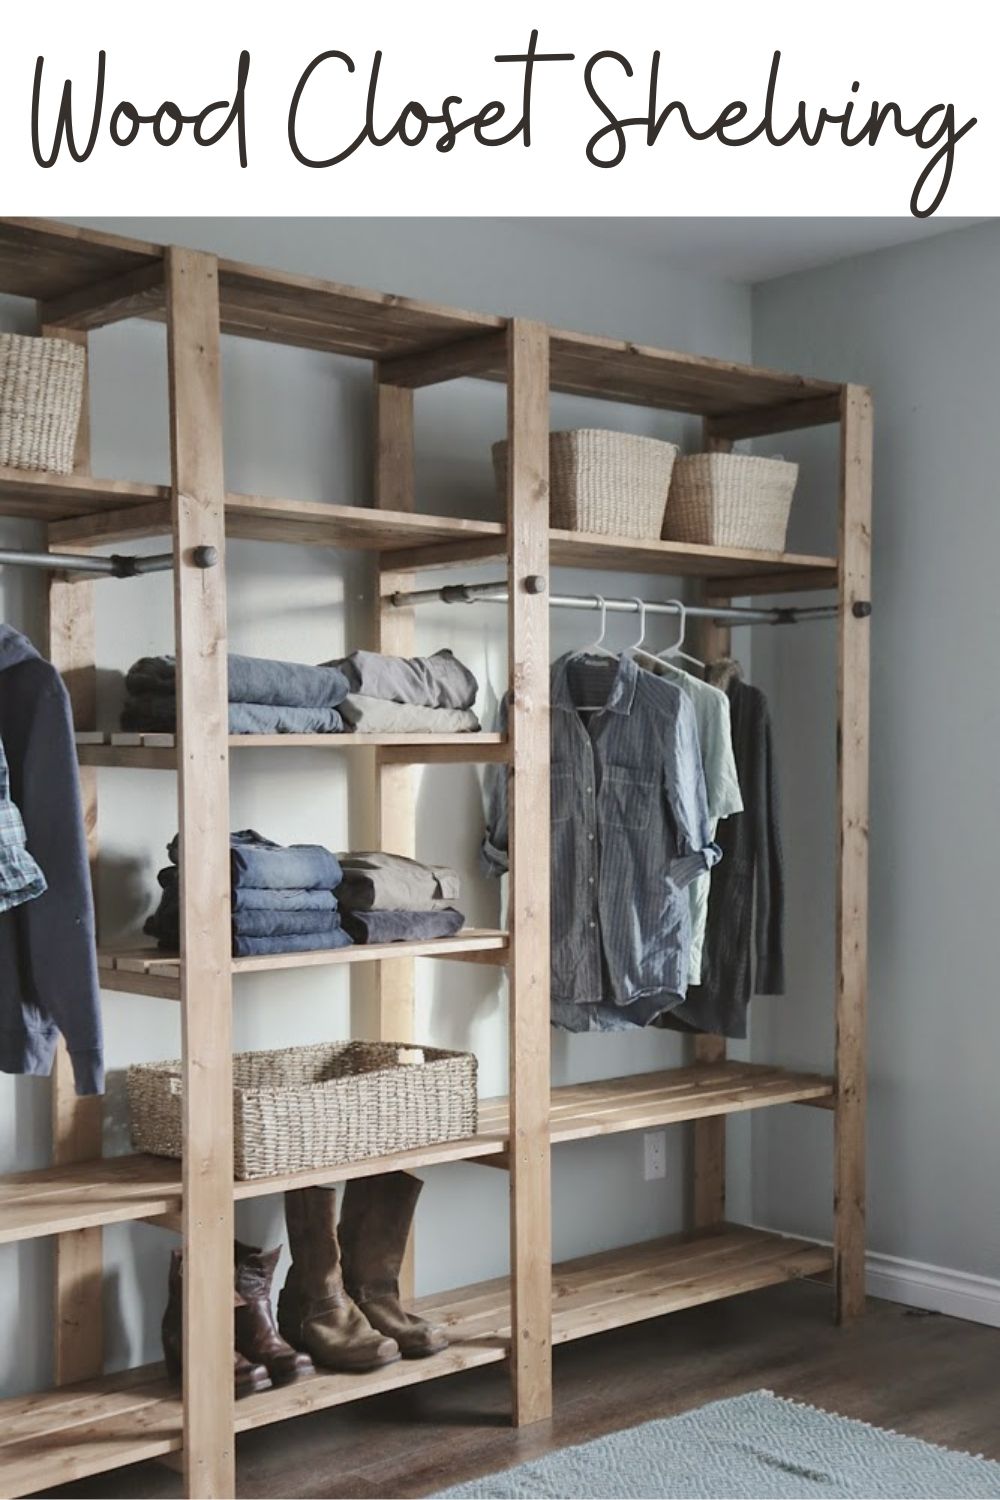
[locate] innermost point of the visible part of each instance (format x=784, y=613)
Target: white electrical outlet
x=655, y=1148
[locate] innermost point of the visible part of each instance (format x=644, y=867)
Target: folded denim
x=252, y=923
x=438, y=681
x=261, y=864
x=402, y=926
x=391, y=882
x=157, y=714
x=379, y=716
x=252, y=947
x=249, y=898
x=252, y=679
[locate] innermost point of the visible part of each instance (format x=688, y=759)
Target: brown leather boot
x=247, y=1377
x=257, y=1336
x=314, y=1311
x=374, y=1227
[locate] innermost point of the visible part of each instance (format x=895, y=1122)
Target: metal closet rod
x=116, y=566
x=496, y=593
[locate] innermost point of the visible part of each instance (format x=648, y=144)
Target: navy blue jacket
x=48, y=956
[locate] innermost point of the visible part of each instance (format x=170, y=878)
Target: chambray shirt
x=630, y=831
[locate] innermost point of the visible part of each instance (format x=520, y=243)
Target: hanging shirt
x=746, y=901
x=20, y=877
x=630, y=831
x=722, y=787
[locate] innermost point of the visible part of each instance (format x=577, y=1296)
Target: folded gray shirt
x=377, y=716
x=438, y=681
x=391, y=882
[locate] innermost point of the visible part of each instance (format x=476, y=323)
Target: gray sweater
x=48, y=959
x=746, y=900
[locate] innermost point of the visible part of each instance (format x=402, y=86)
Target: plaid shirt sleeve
x=20, y=877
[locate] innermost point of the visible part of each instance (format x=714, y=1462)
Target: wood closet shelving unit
x=91, y=1421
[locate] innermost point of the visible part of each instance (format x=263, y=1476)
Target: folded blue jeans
x=263, y=865
x=156, y=713
x=250, y=898
x=252, y=679
x=252, y=947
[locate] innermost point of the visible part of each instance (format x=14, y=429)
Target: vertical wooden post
x=528, y=905
x=78, y=1328
x=396, y=820
x=709, y=1196
x=856, y=438
x=198, y=513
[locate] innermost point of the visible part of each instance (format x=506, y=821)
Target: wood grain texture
x=102, y=1425
x=77, y=1123
x=852, y=863
x=528, y=895
x=203, y=797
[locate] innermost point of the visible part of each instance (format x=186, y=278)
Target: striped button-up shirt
x=630, y=831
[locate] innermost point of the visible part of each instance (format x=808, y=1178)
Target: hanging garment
x=21, y=879
x=438, y=681
x=48, y=956
x=630, y=831
x=722, y=787
x=390, y=882
x=746, y=900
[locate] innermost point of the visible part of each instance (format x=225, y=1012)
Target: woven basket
x=306, y=1107
x=730, y=500
x=609, y=482
x=41, y=394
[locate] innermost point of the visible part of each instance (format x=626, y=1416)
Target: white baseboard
x=960, y=1294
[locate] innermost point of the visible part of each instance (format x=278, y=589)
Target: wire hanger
x=597, y=648
x=640, y=605
x=675, y=649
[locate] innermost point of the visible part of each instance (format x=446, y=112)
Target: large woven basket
x=321, y=1106
x=610, y=482
x=41, y=394
x=730, y=500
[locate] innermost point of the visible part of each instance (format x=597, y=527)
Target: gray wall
x=921, y=325
x=298, y=424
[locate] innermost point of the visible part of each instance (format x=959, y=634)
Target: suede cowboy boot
x=314, y=1311
x=257, y=1336
x=247, y=1377
x=374, y=1227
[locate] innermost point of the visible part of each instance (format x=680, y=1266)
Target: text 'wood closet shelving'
x=84, y=280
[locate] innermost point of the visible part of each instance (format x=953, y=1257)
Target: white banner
x=455, y=108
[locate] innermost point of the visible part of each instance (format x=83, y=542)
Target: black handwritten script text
x=332, y=86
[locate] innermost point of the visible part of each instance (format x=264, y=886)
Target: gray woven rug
x=754, y=1447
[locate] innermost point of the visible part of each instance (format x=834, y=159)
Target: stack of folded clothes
x=265, y=697
x=283, y=899
x=408, y=695
x=386, y=898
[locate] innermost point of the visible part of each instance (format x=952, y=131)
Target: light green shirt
x=722, y=787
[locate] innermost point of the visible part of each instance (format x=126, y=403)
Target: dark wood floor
x=930, y=1376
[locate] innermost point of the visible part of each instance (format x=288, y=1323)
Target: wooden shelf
x=158, y=973
x=117, y=1189
x=158, y=752
x=722, y=565
x=76, y=1431
x=85, y=279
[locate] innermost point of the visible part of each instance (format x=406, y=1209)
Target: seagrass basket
x=610, y=482
x=730, y=500
x=320, y=1106
x=41, y=395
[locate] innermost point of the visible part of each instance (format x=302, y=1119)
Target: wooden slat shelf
x=791, y=570
x=157, y=752
x=159, y=968
x=80, y=1430
x=115, y=1189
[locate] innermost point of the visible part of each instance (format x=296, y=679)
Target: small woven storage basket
x=730, y=500
x=610, y=482
x=41, y=394
x=320, y=1106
